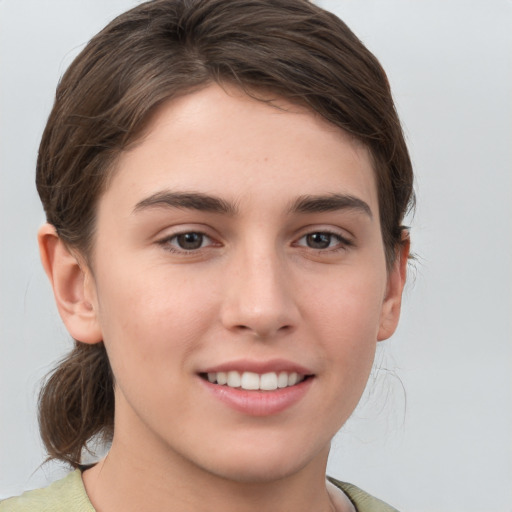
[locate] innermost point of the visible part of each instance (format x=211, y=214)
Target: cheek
x=348, y=302
x=346, y=315
x=153, y=313
x=151, y=324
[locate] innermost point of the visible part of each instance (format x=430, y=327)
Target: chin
x=260, y=473
x=254, y=465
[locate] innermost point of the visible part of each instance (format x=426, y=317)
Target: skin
x=257, y=289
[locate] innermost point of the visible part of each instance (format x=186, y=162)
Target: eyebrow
x=329, y=203
x=187, y=200
x=207, y=203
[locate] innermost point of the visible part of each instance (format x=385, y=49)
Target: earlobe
x=72, y=285
x=391, y=307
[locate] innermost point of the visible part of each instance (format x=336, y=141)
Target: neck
x=130, y=482
x=142, y=472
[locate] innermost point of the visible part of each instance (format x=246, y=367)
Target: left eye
x=321, y=240
x=189, y=241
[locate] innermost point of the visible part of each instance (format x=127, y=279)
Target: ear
x=390, y=313
x=73, y=286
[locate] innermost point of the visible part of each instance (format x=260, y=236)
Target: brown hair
x=165, y=48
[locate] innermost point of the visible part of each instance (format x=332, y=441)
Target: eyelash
x=167, y=242
x=341, y=245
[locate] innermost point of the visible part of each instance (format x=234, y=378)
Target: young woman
x=224, y=184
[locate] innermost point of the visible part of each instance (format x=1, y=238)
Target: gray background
x=443, y=445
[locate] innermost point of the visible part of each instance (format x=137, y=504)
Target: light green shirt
x=68, y=495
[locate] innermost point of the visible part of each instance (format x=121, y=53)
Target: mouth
x=258, y=388
x=251, y=381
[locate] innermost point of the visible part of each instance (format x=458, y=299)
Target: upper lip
x=260, y=367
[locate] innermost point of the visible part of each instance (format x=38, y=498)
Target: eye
x=321, y=240
x=189, y=241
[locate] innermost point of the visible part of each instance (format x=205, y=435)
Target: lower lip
x=259, y=403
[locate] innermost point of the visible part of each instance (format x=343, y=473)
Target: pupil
x=319, y=240
x=190, y=241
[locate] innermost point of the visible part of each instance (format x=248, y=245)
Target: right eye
x=186, y=242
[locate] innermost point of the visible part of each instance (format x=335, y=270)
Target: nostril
x=264, y=331
x=262, y=318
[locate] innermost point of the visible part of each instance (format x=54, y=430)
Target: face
x=239, y=282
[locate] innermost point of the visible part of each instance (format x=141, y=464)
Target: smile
x=257, y=394
x=252, y=381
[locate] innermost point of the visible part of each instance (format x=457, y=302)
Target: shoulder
x=362, y=500
x=66, y=495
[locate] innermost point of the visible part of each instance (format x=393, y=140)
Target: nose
x=259, y=297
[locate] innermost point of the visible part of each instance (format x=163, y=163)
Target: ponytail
x=76, y=403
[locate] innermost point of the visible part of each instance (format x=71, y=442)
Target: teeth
x=268, y=381
x=282, y=380
x=234, y=379
x=252, y=381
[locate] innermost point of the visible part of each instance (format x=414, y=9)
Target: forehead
x=222, y=141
